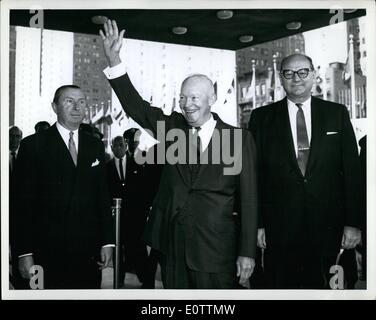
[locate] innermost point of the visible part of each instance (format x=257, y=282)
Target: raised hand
x=112, y=42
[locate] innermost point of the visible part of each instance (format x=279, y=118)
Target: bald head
x=196, y=98
x=296, y=56
x=204, y=81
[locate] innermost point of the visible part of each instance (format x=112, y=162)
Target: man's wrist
x=114, y=62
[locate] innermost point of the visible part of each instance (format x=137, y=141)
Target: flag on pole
x=346, y=74
x=230, y=91
x=278, y=89
x=251, y=92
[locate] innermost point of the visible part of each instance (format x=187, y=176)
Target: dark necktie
x=121, y=169
x=72, y=148
x=12, y=160
x=302, y=139
x=196, y=141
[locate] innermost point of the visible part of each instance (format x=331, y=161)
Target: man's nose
x=188, y=102
x=76, y=105
x=295, y=77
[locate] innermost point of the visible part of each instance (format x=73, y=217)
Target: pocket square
x=331, y=132
x=95, y=163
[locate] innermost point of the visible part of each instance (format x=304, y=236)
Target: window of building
x=364, y=54
x=257, y=90
x=263, y=89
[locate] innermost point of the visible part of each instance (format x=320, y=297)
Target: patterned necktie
x=302, y=139
x=72, y=148
x=121, y=169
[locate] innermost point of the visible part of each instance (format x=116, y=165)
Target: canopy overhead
x=204, y=28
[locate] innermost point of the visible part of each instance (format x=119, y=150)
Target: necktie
x=72, y=148
x=121, y=169
x=196, y=142
x=12, y=160
x=302, y=139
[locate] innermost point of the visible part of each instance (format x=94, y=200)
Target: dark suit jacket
x=310, y=210
x=61, y=209
x=213, y=236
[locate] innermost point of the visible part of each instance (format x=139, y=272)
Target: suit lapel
x=208, y=153
x=57, y=143
x=83, y=150
x=184, y=169
x=317, y=133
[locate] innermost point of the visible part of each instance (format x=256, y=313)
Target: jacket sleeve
x=135, y=107
x=254, y=128
x=351, y=173
x=248, y=198
x=26, y=192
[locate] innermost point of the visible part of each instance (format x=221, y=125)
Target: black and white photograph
x=187, y=150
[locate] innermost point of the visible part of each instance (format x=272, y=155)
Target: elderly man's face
x=70, y=109
x=119, y=147
x=15, y=137
x=298, y=89
x=196, y=98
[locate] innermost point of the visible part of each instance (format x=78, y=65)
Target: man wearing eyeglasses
x=308, y=182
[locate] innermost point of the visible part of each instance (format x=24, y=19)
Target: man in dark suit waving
x=63, y=217
x=204, y=245
x=308, y=181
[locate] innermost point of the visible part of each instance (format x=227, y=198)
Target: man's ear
x=54, y=107
x=212, y=99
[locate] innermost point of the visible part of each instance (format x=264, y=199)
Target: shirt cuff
x=116, y=71
x=109, y=246
x=25, y=255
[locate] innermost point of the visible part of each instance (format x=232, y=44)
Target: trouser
x=298, y=269
x=177, y=275
x=71, y=272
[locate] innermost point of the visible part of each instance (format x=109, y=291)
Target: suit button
x=305, y=180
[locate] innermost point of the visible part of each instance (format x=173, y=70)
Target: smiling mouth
x=190, y=111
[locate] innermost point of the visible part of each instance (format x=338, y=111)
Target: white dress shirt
x=123, y=163
x=293, y=109
x=206, y=132
x=64, y=133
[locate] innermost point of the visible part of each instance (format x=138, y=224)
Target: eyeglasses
x=289, y=74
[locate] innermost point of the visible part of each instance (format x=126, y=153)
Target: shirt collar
x=64, y=131
x=208, y=125
x=306, y=105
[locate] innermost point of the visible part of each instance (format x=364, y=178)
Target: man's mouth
x=190, y=111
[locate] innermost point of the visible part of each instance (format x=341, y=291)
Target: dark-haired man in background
x=62, y=208
x=308, y=182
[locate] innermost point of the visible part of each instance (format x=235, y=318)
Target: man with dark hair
x=308, y=182
x=203, y=244
x=62, y=208
x=41, y=125
x=128, y=180
x=15, y=137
